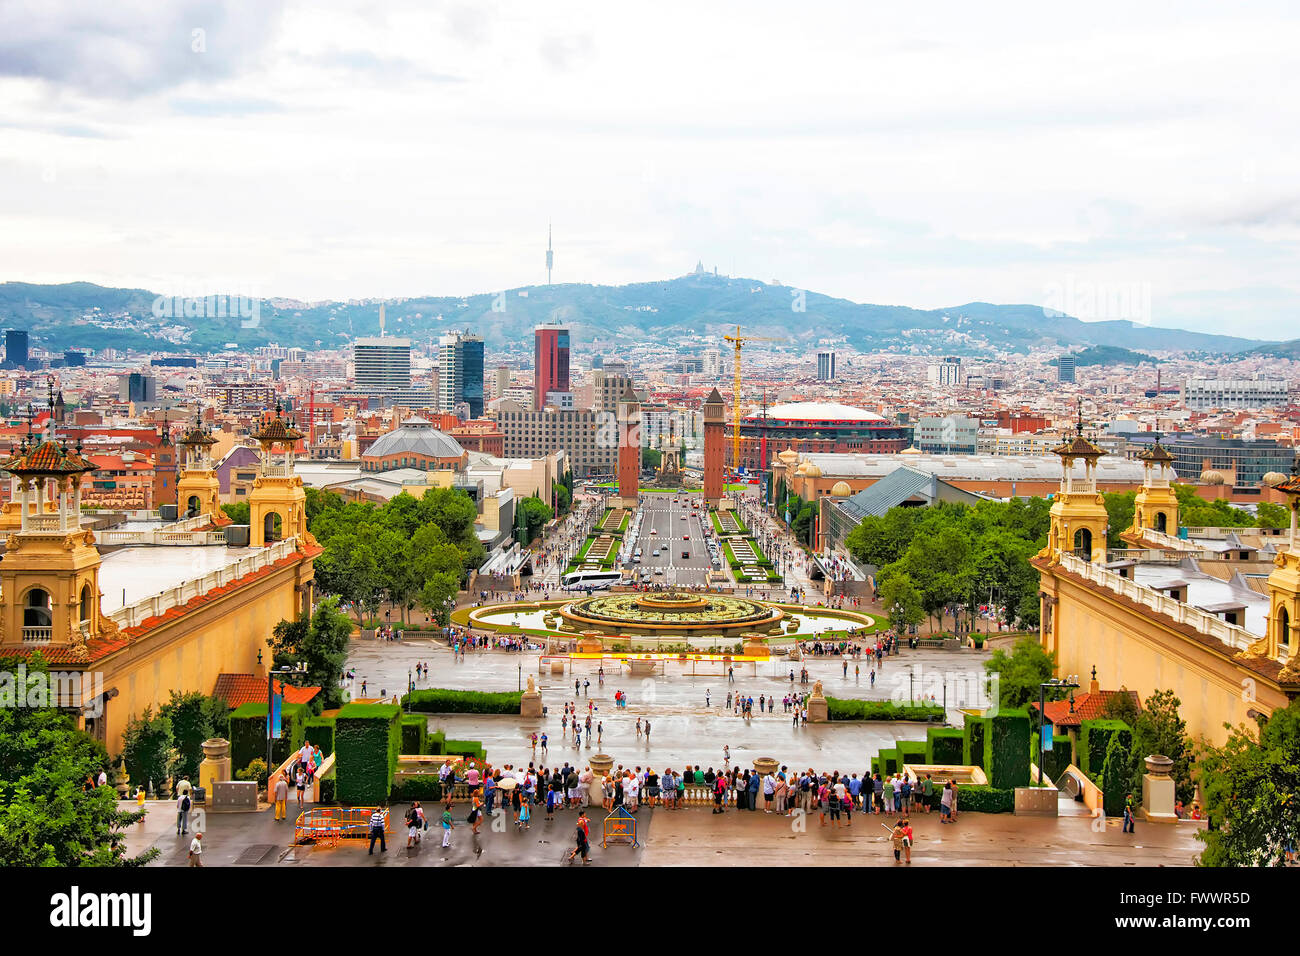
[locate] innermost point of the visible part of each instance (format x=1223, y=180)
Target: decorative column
x=601, y=765
x=215, y=767
x=1158, y=793
x=818, y=708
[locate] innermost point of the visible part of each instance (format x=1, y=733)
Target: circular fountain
x=671, y=615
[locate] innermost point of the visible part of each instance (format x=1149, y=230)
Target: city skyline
x=963, y=158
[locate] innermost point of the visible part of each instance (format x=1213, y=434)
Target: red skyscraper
x=550, y=362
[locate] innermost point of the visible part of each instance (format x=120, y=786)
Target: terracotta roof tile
x=239, y=689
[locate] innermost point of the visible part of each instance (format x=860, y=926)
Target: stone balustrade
x=178, y=596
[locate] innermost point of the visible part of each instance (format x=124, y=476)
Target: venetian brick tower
x=629, y=450
x=715, y=448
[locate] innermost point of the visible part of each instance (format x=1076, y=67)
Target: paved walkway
x=693, y=837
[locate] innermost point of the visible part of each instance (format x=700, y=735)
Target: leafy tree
x=1021, y=672
x=1251, y=786
x=1195, y=512
x=902, y=599
x=651, y=459
x=195, y=717
x=148, y=749
x=563, y=499
x=48, y=816
x=1271, y=515
x=1116, y=775
x=535, y=515
x=320, y=500
x=438, y=590
x=321, y=642
x=238, y=512
x=1120, y=507
x=1158, y=729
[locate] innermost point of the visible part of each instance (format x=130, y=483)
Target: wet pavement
x=683, y=729
x=693, y=836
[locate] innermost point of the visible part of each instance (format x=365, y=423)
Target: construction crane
x=739, y=340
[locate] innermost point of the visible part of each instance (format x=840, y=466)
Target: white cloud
x=926, y=157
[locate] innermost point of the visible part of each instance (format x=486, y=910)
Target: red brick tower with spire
x=629, y=449
x=715, y=448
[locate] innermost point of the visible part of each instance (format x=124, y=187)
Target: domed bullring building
x=815, y=427
x=415, y=444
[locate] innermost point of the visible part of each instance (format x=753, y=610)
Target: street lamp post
x=1055, y=683
x=299, y=668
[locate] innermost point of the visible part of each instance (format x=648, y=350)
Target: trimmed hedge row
x=367, y=738
x=414, y=731
x=438, y=700
x=1006, y=749
x=840, y=709
x=248, y=733
x=911, y=751
x=982, y=799
x=320, y=731
x=944, y=745
x=973, y=745
x=426, y=787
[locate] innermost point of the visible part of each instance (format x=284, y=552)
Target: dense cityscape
x=565, y=552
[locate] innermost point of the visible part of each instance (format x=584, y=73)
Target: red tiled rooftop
x=239, y=689
x=1086, y=707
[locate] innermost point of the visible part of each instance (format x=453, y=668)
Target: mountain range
x=686, y=309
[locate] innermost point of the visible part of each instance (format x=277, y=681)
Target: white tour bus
x=596, y=580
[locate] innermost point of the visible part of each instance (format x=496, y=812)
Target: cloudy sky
x=1109, y=158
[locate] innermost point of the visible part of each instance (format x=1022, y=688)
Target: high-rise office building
x=16, y=348
x=826, y=365
x=500, y=380
x=1065, y=368
x=550, y=362
x=137, y=387
x=460, y=372
x=712, y=362
x=947, y=372
x=382, y=364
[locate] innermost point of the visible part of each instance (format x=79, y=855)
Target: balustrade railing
x=178, y=596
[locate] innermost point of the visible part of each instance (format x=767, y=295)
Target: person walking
x=581, y=839
x=447, y=825
x=896, y=836
x=183, y=814
x=377, y=831
x=945, y=803
x=196, y=849
x=1128, y=814
x=300, y=785
x=907, y=840
x=281, y=797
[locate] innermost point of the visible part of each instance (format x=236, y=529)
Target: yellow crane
x=739, y=340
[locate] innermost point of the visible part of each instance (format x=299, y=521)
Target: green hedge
x=439, y=700
x=466, y=748
x=944, y=745
x=414, y=729
x=1006, y=750
x=248, y=733
x=426, y=787
x=320, y=731
x=327, y=787
x=841, y=709
x=981, y=799
x=976, y=732
x=911, y=751
x=889, y=762
x=1094, y=738
x=367, y=738
x=435, y=743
